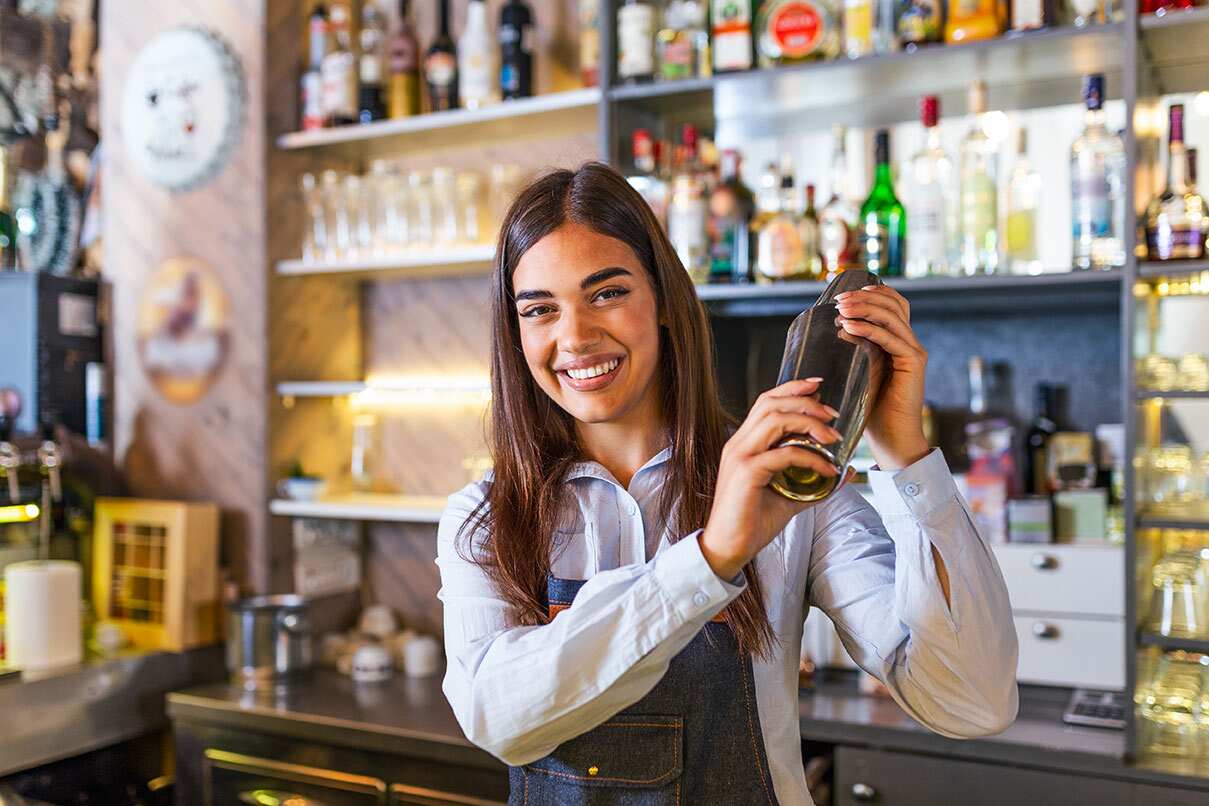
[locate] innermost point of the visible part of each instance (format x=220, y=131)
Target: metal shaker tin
x=853, y=371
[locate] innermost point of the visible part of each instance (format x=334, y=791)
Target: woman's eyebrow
x=587, y=282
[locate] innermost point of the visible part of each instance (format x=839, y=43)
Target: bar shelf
x=1171, y=268
x=375, y=507
x=1169, y=644
x=454, y=261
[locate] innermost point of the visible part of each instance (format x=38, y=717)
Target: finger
x=892, y=344
x=797, y=388
x=884, y=314
x=800, y=405
x=771, y=462
x=881, y=294
x=775, y=426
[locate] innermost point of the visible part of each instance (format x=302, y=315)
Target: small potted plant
x=299, y=485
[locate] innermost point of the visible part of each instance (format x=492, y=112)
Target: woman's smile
x=590, y=374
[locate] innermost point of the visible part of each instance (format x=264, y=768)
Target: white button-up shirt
x=519, y=692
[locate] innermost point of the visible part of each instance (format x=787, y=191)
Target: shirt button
x=700, y=599
x=631, y=509
x=911, y=489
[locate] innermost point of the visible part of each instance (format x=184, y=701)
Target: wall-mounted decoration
x=183, y=329
x=183, y=106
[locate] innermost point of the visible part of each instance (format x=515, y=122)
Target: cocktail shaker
x=853, y=371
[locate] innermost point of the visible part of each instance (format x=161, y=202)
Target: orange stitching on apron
x=751, y=731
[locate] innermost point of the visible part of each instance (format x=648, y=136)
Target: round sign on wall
x=183, y=106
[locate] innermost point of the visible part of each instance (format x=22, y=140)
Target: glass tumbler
x=1177, y=600
x=1170, y=708
x=1169, y=476
x=340, y=229
x=469, y=187
x=1159, y=372
x=503, y=185
x=444, y=207
x=1193, y=373
x=314, y=238
x=419, y=210
x=359, y=214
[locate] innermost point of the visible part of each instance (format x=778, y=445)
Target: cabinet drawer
x=234, y=778
x=1071, y=651
x=1064, y=579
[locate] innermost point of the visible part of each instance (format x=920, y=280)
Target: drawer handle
x=1046, y=632
x=265, y=797
x=863, y=793
x=1045, y=562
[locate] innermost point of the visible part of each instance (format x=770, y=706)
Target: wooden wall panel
x=212, y=449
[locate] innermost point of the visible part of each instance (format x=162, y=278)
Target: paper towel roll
x=42, y=614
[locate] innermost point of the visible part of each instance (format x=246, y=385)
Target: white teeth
x=592, y=372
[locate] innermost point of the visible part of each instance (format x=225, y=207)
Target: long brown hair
x=533, y=440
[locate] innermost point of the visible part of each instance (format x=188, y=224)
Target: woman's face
x=589, y=323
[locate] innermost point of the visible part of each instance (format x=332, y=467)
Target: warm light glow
x=1201, y=104
x=411, y=391
x=995, y=125
x=19, y=513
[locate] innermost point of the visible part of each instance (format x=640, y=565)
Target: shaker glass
x=853, y=370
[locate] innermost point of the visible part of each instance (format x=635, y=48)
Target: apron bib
x=693, y=739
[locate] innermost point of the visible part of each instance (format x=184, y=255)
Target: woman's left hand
x=895, y=428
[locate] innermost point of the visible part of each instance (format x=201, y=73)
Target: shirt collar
x=595, y=470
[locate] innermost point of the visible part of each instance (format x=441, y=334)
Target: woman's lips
x=591, y=384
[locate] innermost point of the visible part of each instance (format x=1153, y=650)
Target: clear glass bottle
x=979, y=203
x=645, y=177
x=682, y=44
x=837, y=220
x=1097, y=167
x=731, y=208
x=809, y=227
x=339, y=72
x=929, y=198
x=688, y=210
x=635, y=41
x=1176, y=219
x=478, y=73
x=885, y=26
x=1024, y=197
x=312, y=78
x=780, y=252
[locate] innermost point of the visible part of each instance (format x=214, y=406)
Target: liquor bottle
x=979, y=192
x=516, y=50
x=645, y=177
x=1020, y=227
x=1046, y=423
x=731, y=208
x=1176, y=219
x=635, y=41
x=403, y=87
x=441, y=67
x=688, y=209
x=921, y=22
x=929, y=200
x=809, y=227
x=1097, y=167
x=312, y=79
x=682, y=44
x=883, y=221
x=477, y=73
x=795, y=31
x=732, y=40
x=858, y=28
x=972, y=20
x=768, y=199
x=339, y=71
x=1161, y=7
x=780, y=253
x=837, y=220
x=372, y=100
x=589, y=42
x=1033, y=15
x=8, y=225
x=885, y=26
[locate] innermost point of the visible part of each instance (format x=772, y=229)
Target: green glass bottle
x=8, y=225
x=883, y=224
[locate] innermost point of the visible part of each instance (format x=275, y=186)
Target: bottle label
x=779, y=252
x=926, y=227
x=339, y=85
x=475, y=77
x=371, y=69
x=686, y=229
x=440, y=68
x=858, y=27
x=676, y=58
x=796, y=28
x=977, y=208
x=635, y=40
x=312, y=100
x=835, y=239
x=920, y=22
x=732, y=35
x=1026, y=14
x=403, y=99
x=1175, y=244
x=1092, y=216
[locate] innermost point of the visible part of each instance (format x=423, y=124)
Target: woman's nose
x=577, y=331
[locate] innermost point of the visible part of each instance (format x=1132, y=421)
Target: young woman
x=625, y=595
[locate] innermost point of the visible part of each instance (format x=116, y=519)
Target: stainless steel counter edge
x=63, y=713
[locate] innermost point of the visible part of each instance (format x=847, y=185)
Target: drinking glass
x=1177, y=600
x=444, y=206
x=469, y=187
x=314, y=238
x=340, y=230
x=503, y=185
x=1168, y=474
x=419, y=197
x=1159, y=372
x=359, y=206
x=395, y=220
x=1192, y=373
x=378, y=196
x=1170, y=708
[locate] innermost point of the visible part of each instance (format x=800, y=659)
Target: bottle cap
x=1175, y=124
x=929, y=110
x=882, y=146
x=641, y=142
x=688, y=135
x=1093, y=91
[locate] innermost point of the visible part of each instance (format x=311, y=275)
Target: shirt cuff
x=916, y=490
x=689, y=583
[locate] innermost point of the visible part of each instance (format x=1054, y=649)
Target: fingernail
x=869, y=288
x=831, y=411
x=841, y=296
x=815, y=379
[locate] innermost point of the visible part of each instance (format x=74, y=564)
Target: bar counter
x=411, y=717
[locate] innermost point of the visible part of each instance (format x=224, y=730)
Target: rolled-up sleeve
x=519, y=692
x=951, y=666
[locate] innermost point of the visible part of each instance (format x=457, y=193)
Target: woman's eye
x=612, y=293
x=536, y=310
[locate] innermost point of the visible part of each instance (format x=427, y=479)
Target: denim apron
x=694, y=739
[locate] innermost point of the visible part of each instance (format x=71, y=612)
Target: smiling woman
x=624, y=595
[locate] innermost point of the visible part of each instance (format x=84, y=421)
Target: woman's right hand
x=746, y=513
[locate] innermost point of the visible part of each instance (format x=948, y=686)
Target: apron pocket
x=641, y=753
